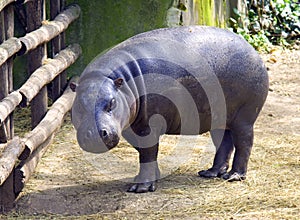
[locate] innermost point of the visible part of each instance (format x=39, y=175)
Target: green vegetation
x=269, y=22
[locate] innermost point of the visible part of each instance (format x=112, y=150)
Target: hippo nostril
x=109, y=138
x=103, y=133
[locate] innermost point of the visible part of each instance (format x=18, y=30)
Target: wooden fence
x=47, y=58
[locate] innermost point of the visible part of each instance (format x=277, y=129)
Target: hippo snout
x=110, y=139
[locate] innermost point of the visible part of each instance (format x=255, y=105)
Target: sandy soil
x=70, y=184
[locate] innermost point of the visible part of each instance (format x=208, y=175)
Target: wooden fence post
x=7, y=29
x=13, y=172
x=7, y=195
x=35, y=15
x=9, y=17
x=58, y=43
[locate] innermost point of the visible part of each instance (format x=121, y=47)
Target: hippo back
x=199, y=52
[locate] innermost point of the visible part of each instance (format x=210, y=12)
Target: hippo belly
x=185, y=80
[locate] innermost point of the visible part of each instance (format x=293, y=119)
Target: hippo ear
x=73, y=86
x=118, y=82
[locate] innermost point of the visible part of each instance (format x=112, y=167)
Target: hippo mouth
x=91, y=140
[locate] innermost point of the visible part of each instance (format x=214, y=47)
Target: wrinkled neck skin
x=129, y=104
x=131, y=92
x=118, y=119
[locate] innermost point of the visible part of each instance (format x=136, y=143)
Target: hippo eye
x=111, y=105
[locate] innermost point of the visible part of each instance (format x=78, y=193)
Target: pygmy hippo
x=184, y=80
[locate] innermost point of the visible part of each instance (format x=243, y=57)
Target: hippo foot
x=143, y=187
x=234, y=176
x=146, y=180
x=213, y=172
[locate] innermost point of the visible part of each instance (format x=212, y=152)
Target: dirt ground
x=73, y=185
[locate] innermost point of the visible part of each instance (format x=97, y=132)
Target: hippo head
x=99, y=114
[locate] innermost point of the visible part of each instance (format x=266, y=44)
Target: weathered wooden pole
x=7, y=195
x=9, y=156
x=26, y=167
x=9, y=17
x=38, y=140
x=4, y=133
x=58, y=43
x=46, y=73
x=13, y=172
x=35, y=16
x=8, y=48
x=50, y=123
x=49, y=30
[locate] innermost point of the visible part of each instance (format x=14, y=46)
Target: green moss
x=211, y=12
x=105, y=23
x=205, y=12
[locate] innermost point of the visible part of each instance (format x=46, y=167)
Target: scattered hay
x=68, y=186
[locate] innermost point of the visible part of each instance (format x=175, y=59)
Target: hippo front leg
x=149, y=172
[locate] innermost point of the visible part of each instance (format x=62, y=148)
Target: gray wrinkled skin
x=185, y=80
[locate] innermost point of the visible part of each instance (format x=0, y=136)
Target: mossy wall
x=203, y=12
x=106, y=23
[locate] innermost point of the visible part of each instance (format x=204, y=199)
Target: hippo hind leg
x=242, y=135
x=224, y=146
x=243, y=141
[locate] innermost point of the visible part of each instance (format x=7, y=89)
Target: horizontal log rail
x=38, y=79
x=49, y=123
x=8, y=105
x=19, y=156
x=45, y=74
x=49, y=29
x=9, y=157
x=26, y=167
x=9, y=48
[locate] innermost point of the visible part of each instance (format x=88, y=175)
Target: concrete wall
x=105, y=23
